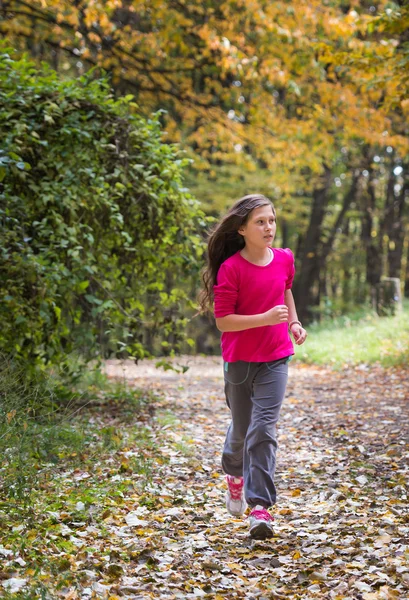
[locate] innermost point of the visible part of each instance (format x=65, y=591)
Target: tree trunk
x=308, y=256
x=406, y=289
x=284, y=233
x=388, y=297
x=346, y=287
x=371, y=237
x=314, y=252
x=322, y=285
x=396, y=234
x=348, y=199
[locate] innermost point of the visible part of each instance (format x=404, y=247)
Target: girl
x=249, y=284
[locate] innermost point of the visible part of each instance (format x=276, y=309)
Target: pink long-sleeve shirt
x=246, y=289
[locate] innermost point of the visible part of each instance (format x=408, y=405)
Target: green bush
x=100, y=243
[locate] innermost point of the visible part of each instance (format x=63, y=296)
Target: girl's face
x=260, y=229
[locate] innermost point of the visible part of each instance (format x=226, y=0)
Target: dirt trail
x=341, y=521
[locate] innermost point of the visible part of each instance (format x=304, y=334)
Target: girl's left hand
x=299, y=334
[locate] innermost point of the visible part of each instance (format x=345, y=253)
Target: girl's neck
x=257, y=256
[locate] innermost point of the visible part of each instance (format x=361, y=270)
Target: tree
x=242, y=84
x=380, y=62
x=275, y=96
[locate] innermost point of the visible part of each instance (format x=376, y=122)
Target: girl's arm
x=296, y=329
x=233, y=322
x=289, y=301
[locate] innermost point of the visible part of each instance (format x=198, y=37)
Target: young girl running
x=249, y=284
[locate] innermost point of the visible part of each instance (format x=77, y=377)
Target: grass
x=41, y=434
x=359, y=338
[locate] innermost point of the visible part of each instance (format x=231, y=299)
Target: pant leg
x=260, y=448
x=237, y=387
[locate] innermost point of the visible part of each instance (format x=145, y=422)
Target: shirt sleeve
x=225, y=292
x=291, y=269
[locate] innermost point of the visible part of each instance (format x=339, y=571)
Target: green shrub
x=100, y=243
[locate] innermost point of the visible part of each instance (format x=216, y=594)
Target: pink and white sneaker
x=235, y=502
x=261, y=523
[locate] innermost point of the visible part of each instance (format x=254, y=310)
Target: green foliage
x=99, y=240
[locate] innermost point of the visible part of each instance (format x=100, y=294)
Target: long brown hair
x=225, y=240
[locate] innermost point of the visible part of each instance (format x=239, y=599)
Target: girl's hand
x=299, y=334
x=277, y=315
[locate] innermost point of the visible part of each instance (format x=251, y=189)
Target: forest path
x=341, y=521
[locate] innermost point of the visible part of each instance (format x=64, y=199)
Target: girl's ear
x=241, y=231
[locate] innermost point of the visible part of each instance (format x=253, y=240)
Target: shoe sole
x=261, y=531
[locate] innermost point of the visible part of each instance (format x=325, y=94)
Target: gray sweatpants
x=254, y=393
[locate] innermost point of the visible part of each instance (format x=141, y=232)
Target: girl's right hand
x=276, y=315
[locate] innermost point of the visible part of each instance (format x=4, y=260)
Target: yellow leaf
x=296, y=555
x=296, y=492
x=11, y=415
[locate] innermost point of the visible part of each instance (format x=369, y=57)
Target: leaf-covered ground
x=147, y=520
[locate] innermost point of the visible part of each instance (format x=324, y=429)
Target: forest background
x=129, y=127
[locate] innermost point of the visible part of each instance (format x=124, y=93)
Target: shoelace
x=261, y=515
x=235, y=489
